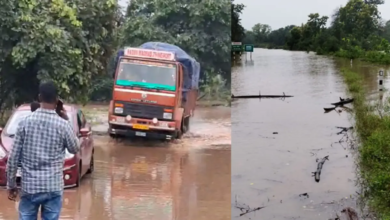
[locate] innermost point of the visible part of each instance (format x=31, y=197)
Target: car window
x=17, y=117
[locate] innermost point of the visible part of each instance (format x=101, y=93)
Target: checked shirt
x=39, y=146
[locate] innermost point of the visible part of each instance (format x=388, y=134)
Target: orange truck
x=154, y=93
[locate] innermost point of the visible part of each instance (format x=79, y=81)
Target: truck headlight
x=118, y=110
x=167, y=115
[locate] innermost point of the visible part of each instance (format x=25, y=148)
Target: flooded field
x=185, y=180
x=277, y=143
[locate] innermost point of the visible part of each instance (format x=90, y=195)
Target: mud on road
x=189, y=179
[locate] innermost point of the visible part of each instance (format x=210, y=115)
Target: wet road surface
x=272, y=170
x=185, y=180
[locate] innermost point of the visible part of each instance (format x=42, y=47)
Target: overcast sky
x=280, y=13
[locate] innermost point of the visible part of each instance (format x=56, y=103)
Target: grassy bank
x=368, y=56
x=373, y=129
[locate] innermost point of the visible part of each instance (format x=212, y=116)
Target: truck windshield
x=150, y=75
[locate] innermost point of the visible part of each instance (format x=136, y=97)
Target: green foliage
x=67, y=41
x=373, y=127
x=101, y=89
x=215, y=88
x=238, y=32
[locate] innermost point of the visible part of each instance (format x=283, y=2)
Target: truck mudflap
x=190, y=105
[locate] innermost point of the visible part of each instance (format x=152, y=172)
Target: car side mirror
x=84, y=132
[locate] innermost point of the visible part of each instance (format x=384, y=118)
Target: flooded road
x=272, y=169
x=185, y=180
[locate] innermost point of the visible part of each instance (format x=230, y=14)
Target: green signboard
x=237, y=48
x=248, y=47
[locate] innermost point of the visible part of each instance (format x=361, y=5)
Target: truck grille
x=142, y=110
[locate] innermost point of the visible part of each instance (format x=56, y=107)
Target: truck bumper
x=125, y=129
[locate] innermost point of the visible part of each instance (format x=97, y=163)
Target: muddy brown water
x=136, y=179
x=272, y=170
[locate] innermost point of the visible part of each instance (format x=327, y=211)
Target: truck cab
x=154, y=93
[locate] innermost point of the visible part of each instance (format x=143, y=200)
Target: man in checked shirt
x=39, y=144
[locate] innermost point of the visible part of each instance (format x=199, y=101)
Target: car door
x=86, y=146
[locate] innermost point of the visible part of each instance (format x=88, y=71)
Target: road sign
x=237, y=47
x=248, y=47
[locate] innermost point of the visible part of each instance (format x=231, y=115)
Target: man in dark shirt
x=39, y=144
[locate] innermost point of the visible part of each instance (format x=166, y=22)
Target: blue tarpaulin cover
x=190, y=66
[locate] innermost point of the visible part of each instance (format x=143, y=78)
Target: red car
x=75, y=165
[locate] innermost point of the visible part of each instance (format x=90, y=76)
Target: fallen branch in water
x=245, y=209
x=350, y=213
x=317, y=173
x=344, y=129
x=260, y=96
x=304, y=195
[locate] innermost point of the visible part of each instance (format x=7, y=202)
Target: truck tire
x=187, y=124
x=179, y=134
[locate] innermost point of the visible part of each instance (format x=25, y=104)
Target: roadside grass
x=215, y=92
x=373, y=129
x=368, y=56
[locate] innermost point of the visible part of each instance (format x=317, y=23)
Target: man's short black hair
x=48, y=92
x=34, y=106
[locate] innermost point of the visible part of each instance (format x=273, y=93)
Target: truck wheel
x=179, y=134
x=187, y=124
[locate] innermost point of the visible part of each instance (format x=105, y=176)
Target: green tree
x=65, y=41
x=277, y=38
x=249, y=38
x=261, y=32
x=238, y=32
x=358, y=19
x=386, y=31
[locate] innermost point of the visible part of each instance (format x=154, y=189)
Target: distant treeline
x=356, y=31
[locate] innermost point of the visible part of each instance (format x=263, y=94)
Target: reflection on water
x=152, y=181
x=271, y=169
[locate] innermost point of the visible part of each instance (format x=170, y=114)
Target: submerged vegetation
x=357, y=31
x=373, y=129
